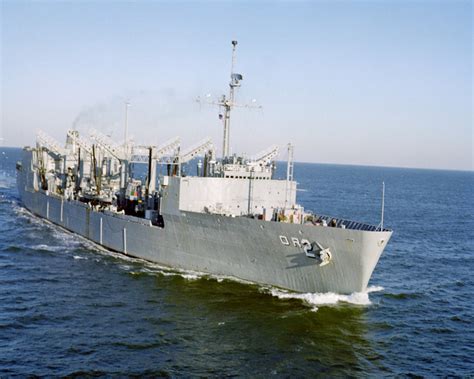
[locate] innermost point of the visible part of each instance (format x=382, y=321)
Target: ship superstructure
x=231, y=218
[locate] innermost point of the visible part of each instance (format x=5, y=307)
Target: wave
x=314, y=300
x=45, y=247
x=23, y=213
x=402, y=295
x=7, y=181
x=371, y=289
x=154, y=268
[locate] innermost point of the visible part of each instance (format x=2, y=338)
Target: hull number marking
x=312, y=250
x=293, y=241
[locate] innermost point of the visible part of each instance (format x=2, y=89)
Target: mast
x=229, y=103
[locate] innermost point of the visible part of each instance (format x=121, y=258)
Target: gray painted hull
x=239, y=247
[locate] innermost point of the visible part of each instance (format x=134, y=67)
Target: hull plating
x=253, y=250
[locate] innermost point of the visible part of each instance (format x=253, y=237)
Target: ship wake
x=316, y=300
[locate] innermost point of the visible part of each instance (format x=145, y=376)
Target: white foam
x=79, y=257
x=153, y=268
x=23, y=212
x=47, y=247
x=371, y=289
x=191, y=276
x=150, y=267
x=328, y=298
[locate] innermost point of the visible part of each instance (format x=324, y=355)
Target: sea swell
x=70, y=307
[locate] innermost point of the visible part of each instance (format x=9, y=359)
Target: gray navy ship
x=231, y=218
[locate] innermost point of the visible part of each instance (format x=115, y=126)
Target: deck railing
x=347, y=224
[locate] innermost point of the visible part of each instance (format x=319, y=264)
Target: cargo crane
x=265, y=157
x=53, y=149
x=80, y=155
x=152, y=155
x=141, y=154
x=105, y=143
x=50, y=144
x=79, y=141
x=204, y=146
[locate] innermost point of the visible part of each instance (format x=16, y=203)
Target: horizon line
x=338, y=164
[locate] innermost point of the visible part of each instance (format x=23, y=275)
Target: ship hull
x=268, y=253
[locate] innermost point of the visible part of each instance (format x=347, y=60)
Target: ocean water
x=68, y=307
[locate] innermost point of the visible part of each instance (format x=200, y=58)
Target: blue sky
x=375, y=83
